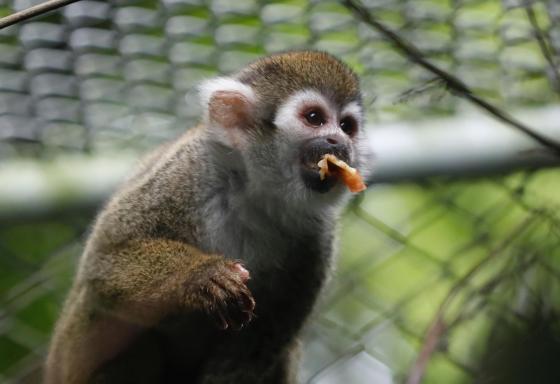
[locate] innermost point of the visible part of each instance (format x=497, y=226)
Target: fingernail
x=243, y=272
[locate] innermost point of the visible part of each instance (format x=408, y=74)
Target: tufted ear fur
x=228, y=107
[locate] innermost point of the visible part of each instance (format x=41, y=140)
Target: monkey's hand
x=220, y=290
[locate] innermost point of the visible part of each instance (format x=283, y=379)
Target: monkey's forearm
x=144, y=280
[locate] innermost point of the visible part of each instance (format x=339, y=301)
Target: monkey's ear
x=228, y=109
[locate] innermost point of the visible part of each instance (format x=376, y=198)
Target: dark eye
x=348, y=126
x=315, y=117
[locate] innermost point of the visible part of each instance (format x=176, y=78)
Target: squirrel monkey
x=205, y=264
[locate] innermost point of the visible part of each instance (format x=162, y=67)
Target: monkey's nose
x=314, y=149
x=332, y=140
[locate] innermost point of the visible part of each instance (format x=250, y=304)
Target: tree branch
x=30, y=12
x=544, y=47
x=454, y=84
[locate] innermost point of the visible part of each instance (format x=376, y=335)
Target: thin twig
x=453, y=83
x=419, y=90
x=436, y=331
x=30, y=12
x=545, y=48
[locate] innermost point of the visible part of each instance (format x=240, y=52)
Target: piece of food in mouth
x=330, y=164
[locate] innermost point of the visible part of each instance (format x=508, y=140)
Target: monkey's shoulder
x=160, y=199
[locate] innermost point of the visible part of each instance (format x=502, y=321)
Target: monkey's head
x=280, y=115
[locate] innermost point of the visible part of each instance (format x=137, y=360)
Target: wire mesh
x=440, y=277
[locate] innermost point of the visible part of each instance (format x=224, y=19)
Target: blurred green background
x=462, y=272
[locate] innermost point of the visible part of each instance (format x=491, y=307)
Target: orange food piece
x=330, y=164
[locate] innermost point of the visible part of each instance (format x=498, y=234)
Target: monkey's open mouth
x=311, y=152
x=311, y=175
x=312, y=178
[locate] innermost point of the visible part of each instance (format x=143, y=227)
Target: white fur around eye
x=353, y=110
x=209, y=87
x=287, y=116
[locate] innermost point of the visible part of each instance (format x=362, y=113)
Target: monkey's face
x=280, y=116
x=309, y=125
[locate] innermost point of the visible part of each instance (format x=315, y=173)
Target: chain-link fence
x=442, y=278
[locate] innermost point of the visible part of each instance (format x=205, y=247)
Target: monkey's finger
x=238, y=316
x=213, y=304
x=242, y=306
x=234, y=301
x=218, y=313
x=241, y=271
x=225, y=312
x=225, y=283
x=231, y=287
x=235, y=286
x=219, y=319
x=246, y=300
x=242, y=294
x=246, y=305
x=247, y=316
x=221, y=288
